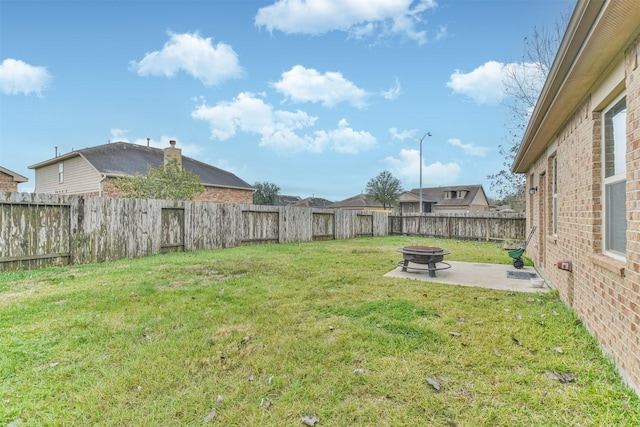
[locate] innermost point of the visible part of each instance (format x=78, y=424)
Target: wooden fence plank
x=37, y=230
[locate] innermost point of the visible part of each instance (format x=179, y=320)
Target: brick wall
x=7, y=184
x=604, y=291
x=211, y=194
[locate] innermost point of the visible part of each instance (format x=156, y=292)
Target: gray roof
x=312, y=202
x=436, y=194
x=284, y=200
x=122, y=158
x=359, y=201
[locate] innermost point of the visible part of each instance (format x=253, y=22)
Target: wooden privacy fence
x=37, y=230
x=489, y=226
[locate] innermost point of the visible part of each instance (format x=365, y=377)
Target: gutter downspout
x=104, y=176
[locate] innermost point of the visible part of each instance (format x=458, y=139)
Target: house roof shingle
x=360, y=201
x=437, y=194
x=122, y=158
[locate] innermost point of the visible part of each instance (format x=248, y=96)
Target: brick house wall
x=211, y=194
x=7, y=184
x=603, y=290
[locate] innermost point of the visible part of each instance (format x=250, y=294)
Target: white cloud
x=484, y=84
x=470, y=149
x=487, y=83
x=119, y=135
x=346, y=140
x=279, y=130
x=18, y=77
x=194, y=55
x=406, y=134
x=393, y=93
x=407, y=168
x=442, y=33
x=302, y=84
x=359, y=18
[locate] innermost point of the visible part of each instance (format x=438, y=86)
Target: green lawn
x=266, y=335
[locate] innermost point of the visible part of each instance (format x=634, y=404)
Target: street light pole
x=423, y=136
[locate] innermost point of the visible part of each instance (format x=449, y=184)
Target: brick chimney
x=173, y=153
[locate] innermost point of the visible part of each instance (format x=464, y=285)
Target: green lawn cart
x=516, y=254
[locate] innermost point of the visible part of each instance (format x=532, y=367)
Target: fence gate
x=364, y=225
x=34, y=235
x=172, y=230
x=323, y=226
x=260, y=226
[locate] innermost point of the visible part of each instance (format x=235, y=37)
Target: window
x=614, y=201
x=61, y=172
x=554, y=196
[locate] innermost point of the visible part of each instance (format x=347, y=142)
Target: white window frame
x=61, y=172
x=617, y=177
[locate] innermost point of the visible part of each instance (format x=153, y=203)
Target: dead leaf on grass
x=556, y=349
x=219, y=400
x=516, y=340
x=211, y=415
x=266, y=404
x=566, y=377
x=435, y=384
x=310, y=421
x=243, y=342
x=497, y=353
x=460, y=320
x=455, y=334
x=518, y=316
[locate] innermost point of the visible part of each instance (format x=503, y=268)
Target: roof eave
x=590, y=46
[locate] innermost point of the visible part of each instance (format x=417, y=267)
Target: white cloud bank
x=18, y=77
x=486, y=85
x=407, y=168
x=193, y=54
x=359, y=18
x=302, y=84
x=473, y=150
x=279, y=130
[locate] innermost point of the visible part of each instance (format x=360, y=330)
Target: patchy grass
x=265, y=335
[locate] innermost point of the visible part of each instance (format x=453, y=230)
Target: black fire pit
x=423, y=255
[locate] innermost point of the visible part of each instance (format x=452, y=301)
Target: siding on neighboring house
x=563, y=156
x=79, y=177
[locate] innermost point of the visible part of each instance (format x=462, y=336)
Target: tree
x=524, y=82
x=266, y=193
x=385, y=188
x=167, y=181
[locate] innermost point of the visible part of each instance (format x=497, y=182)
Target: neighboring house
x=581, y=157
x=359, y=202
x=282, y=200
x=312, y=202
x=91, y=171
x=9, y=180
x=455, y=199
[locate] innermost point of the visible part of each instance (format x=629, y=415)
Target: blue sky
x=316, y=96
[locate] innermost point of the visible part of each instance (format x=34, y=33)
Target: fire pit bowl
x=423, y=255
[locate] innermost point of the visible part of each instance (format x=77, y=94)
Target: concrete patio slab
x=491, y=276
